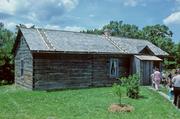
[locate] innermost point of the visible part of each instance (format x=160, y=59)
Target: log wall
x=56, y=71
x=24, y=53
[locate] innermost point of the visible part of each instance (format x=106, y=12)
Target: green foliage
x=122, y=30
x=93, y=31
x=6, y=57
x=117, y=91
x=169, y=64
x=132, y=84
x=176, y=54
x=7, y=37
x=160, y=35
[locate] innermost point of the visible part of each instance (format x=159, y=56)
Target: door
x=146, y=70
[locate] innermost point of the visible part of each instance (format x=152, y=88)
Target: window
x=114, y=68
x=22, y=68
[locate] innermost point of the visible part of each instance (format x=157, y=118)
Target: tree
x=118, y=29
x=117, y=90
x=176, y=53
x=160, y=35
x=6, y=56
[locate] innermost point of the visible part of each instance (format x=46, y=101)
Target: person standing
x=157, y=78
x=176, y=84
x=170, y=76
x=152, y=80
x=169, y=79
x=164, y=81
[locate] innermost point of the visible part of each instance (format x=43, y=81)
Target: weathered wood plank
x=68, y=70
x=24, y=53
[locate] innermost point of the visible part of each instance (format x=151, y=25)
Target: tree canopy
x=6, y=57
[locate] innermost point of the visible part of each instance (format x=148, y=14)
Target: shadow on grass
x=76, y=88
x=142, y=97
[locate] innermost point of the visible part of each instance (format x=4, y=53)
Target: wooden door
x=146, y=70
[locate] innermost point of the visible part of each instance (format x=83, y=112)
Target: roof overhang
x=148, y=58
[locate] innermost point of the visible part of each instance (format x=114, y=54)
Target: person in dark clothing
x=176, y=83
x=170, y=76
x=169, y=80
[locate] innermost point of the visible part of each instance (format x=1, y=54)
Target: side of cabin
x=40, y=64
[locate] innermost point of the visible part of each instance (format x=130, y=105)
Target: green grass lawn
x=164, y=89
x=19, y=103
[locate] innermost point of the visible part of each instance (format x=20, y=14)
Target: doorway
x=146, y=71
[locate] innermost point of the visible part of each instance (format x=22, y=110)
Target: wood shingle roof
x=66, y=41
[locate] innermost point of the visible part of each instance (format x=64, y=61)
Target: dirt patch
x=120, y=108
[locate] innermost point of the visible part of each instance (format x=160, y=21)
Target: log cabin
x=54, y=59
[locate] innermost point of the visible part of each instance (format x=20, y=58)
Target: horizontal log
x=23, y=84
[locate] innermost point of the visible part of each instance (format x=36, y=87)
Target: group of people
x=172, y=82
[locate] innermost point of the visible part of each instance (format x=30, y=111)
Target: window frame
x=116, y=62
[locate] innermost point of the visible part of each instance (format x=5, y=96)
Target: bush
x=132, y=85
x=6, y=71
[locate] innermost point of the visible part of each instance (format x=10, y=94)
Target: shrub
x=6, y=71
x=132, y=85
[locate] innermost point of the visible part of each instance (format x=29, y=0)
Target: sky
x=77, y=15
